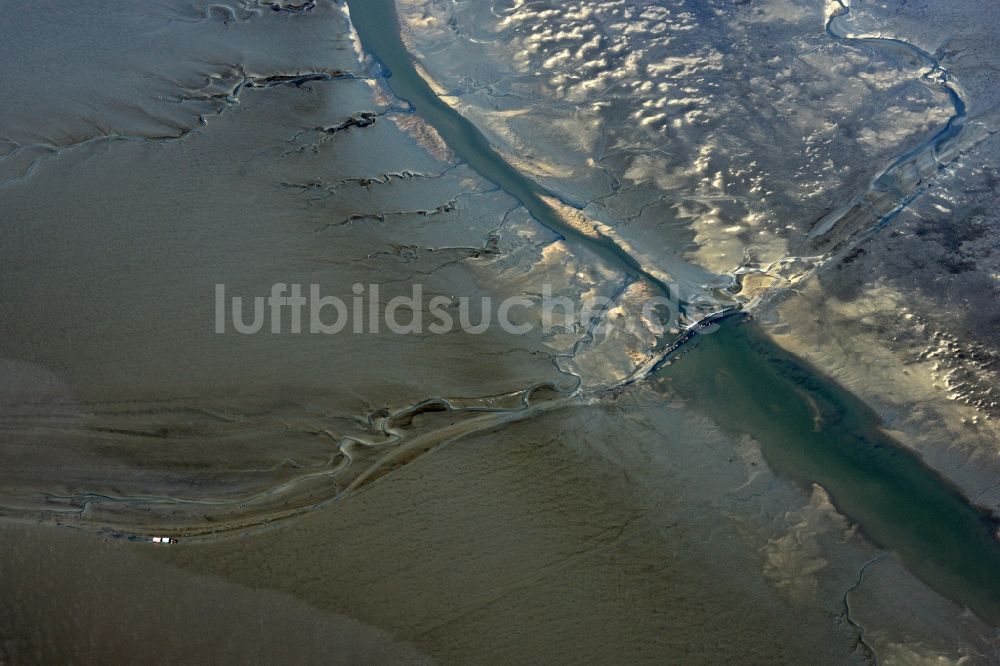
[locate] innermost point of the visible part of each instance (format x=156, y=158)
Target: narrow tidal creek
x=810, y=429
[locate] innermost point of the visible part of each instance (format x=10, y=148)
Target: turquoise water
x=376, y=23
x=810, y=429
x=814, y=431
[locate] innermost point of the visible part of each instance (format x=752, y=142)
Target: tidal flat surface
x=492, y=497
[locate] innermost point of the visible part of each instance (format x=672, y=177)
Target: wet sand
x=547, y=540
x=615, y=524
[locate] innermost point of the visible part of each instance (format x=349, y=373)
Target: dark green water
x=810, y=429
x=814, y=431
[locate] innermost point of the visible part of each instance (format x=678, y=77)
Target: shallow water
x=449, y=493
x=370, y=19
x=809, y=429
x=816, y=432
